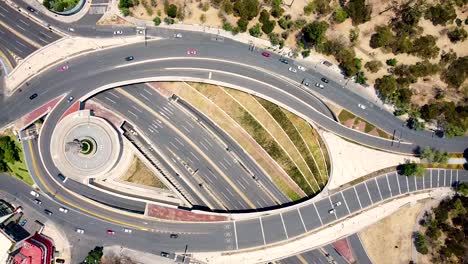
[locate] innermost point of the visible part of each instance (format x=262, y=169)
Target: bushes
x=274, y=38
x=322, y=7
x=242, y=24
x=157, y=21
x=383, y=37
x=247, y=9
x=457, y=34
x=386, y=86
x=309, y=8
x=425, y=47
x=314, y=33
x=434, y=155
x=268, y=26
x=125, y=4
x=255, y=30
x=373, y=66
x=358, y=11
x=391, y=62
x=412, y=169
x=440, y=14
x=340, y=15
x=171, y=11
x=456, y=72
x=420, y=243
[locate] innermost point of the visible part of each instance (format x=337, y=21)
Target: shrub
x=340, y=15
x=125, y=11
x=227, y=26
x=277, y=11
x=463, y=188
x=314, y=33
x=157, y=21
x=228, y=7
x=169, y=20
x=306, y=53
x=412, y=169
x=425, y=47
x=203, y=18
x=242, y=24
x=264, y=16
x=434, y=155
x=457, y=34
x=285, y=24
x=46, y=4
x=255, y=30
x=383, y=37
x=268, y=26
x=247, y=9
x=171, y=11
x=274, y=38
x=322, y=7
x=309, y=8
x=361, y=78
x=420, y=243
x=373, y=66
x=125, y=3
x=358, y=11
x=354, y=34
x=457, y=72
x=440, y=14
x=391, y=62
x=386, y=86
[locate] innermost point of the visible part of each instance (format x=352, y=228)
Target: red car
x=63, y=68
x=266, y=54
x=191, y=52
x=110, y=232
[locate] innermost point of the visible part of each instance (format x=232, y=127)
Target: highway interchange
x=227, y=62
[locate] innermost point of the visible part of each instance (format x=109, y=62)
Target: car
x=292, y=69
x=266, y=54
x=118, y=32
x=129, y=58
x=178, y=35
x=47, y=212
x=174, y=236
x=23, y=222
x=362, y=106
x=325, y=80
x=70, y=99
x=306, y=82
x=331, y=211
x=79, y=231
x=110, y=232
x=59, y=261
x=63, y=210
x=37, y=201
x=337, y=204
x=34, y=95
x=191, y=52
x=285, y=61
x=71, y=29
x=126, y=230
x=165, y=254
x=63, y=68
x=30, y=9
x=301, y=68
x=33, y=193
x=319, y=85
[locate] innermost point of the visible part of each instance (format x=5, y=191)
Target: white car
x=291, y=69
x=301, y=68
x=71, y=29
x=319, y=85
x=126, y=230
x=63, y=210
x=331, y=211
x=118, y=32
x=80, y=231
x=70, y=99
x=178, y=35
x=362, y=106
x=337, y=204
x=35, y=194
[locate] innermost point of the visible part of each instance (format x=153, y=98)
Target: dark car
x=306, y=82
x=174, y=236
x=129, y=58
x=285, y=61
x=37, y=201
x=34, y=95
x=325, y=80
x=47, y=212
x=61, y=177
x=30, y=9
x=165, y=254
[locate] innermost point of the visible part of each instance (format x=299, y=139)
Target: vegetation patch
x=350, y=120
x=60, y=5
x=11, y=159
x=140, y=174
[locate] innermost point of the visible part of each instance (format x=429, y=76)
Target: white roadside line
x=368, y=193
x=398, y=181
x=344, y=200
x=378, y=187
x=359, y=200
x=407, y=184
x=261, y=227
x=284, y=226
x=302, y=220
x=388, y=184
x=431, y=178
x=415, y=183
x=320, y=218
x=235, y=235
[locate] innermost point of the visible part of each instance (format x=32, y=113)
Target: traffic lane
x=334, y=254
x=310, y=217
x=15, y=44
x=340, y=205
x=315, y=257
x=384, y=186
x=352, y=200
x=358, y=249
x=9, y=57
x=293, y=223
x=125, y=106
x=250, y=233
x=274, y=229
x=216, y=152
x=25, y=26
x=324, y=208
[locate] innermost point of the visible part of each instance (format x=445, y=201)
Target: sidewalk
x=61, y=243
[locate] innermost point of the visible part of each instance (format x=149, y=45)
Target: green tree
x=309, y=8
x=10, y=153
x=268, y=26
x=358, y=11
x=383, y=37
x=242, y=24
x=157, y=21
x=227, y=26
x=340, y=15
x=361, y=78
x=94, y=256
x=412, y=169
x=276, y=10
x=386, y=86
x=440, y=14
x=314, y=33
x=434, y=155
x=457, y=72
x=264, y=16
x=425, y=47
x=391, y=62
x=354, y=34
x=228, y=7
x=463, y=188
x=457, y=34
x=274, y=39
x=322, y=7
x=247, y=9
x=171, y=11
x=373, y=65
x=125, y=3
x=255, y=31
x=421, y=243
x=46, y=4
x=3, y=166
x=414, y=123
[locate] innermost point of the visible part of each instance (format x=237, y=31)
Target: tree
x=264, y=16
x=434, y=155
x=354, y=34
x=227, y=26
x=373, y=65
x=457, y=72
x=274, y=38
x=242, y=24
x=425, y=47
x=3, y=166
x=412, y=169
x=247, y=9
x=391, y=62
x=171, y=10
x=361, y=78
x=414, y=123
x=457, y=34
x=314, y=33
x=268, y=26
x=386, y=86
x=322, y=7
x=94, y=256
x=255, y=30
x=340, y=15
x=440, y=14
x=309, y=8
x=383, y=37
x=358, y=11
x=46, y=4
x=420, y=243
x=9, y=151
x=157, y=21
x=228, y=7
x=463, y=188
x=429, y=112
x=125, y=3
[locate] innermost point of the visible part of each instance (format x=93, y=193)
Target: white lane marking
x=445, y=177
x=229, y=191
x=438, y=177
x=150, y=130
x=431, y=177
x=264, y=201
x=378, y=188
x=407, y=184
x=21, y=44
x=113, y=94
x=190, y=124
x=388, y=183
x=203, y=145
x=235, y=234
x=165, y=108
x=45, y=34
x=242, y=185
x=2, y=16
x=194, y=156
x=415, y=184
x=451, y=177
x=302, y=220
x=136, y=108
x=20, y=27
x=209, y=75
x=457, y=175
x=206, y=140
x=180, y=142
x=208, y=179
x=284, y=226
x=4, y=9
x=24, y=22
x=132, y=113
x=42, y=40
x=344, y=200
x=148, y=91
x=146, y=98
x=224, y=166
x=227, y=161
x=223, y=194
x=398, y=181
x=185, y=128
x=214, y=175
x=174, y=145
x=261, y=227
x=359, y=201
x=315, y=207
x=368, y=193
x=107, y=98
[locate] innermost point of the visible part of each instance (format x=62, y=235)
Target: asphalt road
x=359, y=252
x=190, y=146
x=14, y=43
